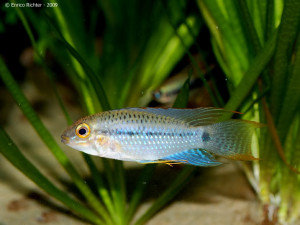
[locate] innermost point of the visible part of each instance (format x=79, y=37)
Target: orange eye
x=83, y=130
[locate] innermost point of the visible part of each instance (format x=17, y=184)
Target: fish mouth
x=65, y=139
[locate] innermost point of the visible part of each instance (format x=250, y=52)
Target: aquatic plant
x=132, y=61
x=257, y=44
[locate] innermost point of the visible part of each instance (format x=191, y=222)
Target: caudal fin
x=230, y=139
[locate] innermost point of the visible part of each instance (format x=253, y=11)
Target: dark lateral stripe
x=150, y=133
x=205, y=137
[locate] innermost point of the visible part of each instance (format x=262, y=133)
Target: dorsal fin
x=194, y=117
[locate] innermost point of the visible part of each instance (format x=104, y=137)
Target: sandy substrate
x=218, y=196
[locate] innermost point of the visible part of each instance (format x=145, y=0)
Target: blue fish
x=157, y=135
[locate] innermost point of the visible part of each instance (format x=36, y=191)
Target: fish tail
x=230, y=139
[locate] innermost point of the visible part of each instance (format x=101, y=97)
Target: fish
x=163, y=135
x=166, y=93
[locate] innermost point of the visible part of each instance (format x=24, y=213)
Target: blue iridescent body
x=190, y=136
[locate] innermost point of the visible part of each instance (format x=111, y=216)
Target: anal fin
x=168, y=162
x=196, y=157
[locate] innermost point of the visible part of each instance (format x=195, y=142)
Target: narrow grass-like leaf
x=291, y=101
x=151, y=43
x=226, y=27
x=120, y=186
x=87, y=158
x=287, y=32
x=276, y=139
x=181, y=179
x=47, y=138
x=98, y=87
x=11, y=152
x=289, y=193
x=183, y=95
x=200, y=74
x=139, y=190
x=102, y=190
x=174, y=188
x=116, y=177
x=65, y=16
x=24, y=21
x=251, y=76
x=249, y=28
x=258, y=10
x=42, y=60
x=270, y=19
x=85, y=86
x=278, y=179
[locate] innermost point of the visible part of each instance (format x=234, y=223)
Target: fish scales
x=191, y=136
x=149, y=136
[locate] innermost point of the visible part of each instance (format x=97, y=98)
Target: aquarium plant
x=140, y=47
x=256, y=44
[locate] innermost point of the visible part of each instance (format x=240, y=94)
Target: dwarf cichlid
x=147, y=135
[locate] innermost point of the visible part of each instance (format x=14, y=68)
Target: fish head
x=81, y=135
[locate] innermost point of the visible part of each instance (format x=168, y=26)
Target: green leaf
x=139, y=190
x=225, y=25
x=251, y=76
x=183, y=96
x=291, y=103
x=100, y=184
x=93, y=79
x=288, y=30
x=42, y=60
x=248, y=26
x=47, y=138
x=179, y=182
x=11, y=152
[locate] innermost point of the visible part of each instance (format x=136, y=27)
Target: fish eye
x=157, y=94
x=83, y=130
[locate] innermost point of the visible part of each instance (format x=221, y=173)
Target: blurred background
x=60, y=61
